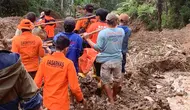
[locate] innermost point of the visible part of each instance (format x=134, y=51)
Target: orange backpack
x=86, y=61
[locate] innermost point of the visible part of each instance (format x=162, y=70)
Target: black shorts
x=98, y=68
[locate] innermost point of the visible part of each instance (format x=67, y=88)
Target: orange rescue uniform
x=49, y=28
x=96, y=26
x=83, y=23
x=30, y=49
x=58, y=73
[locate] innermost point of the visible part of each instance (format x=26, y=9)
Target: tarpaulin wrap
x=87, y=59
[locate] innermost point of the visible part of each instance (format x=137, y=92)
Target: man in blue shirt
x=109, y=44
x=75, y=47
x=123, y=22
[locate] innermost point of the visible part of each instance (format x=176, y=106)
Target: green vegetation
x=154, y=13
x=174, y=13
x=62, y=7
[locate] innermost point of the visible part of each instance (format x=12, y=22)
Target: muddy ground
x=158, y=74
x=158, y=71
x=7, y=30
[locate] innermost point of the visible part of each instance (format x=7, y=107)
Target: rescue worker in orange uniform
x=58, y=73
x=28, y=46
x=49, y=28
x=30, y=16
x=100, y=24
x=36, y=30
x=83, y=24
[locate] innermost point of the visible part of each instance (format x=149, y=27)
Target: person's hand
x=46, y=47
x=49, y=50
x=85, y=35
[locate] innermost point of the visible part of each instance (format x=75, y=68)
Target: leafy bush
x=146, y=12
x=129, y=6
x=143, y=11
x=176, y=13
x=13, y=7
x=185, y=13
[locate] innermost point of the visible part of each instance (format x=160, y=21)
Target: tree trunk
x=62, y=3
x=166, y=3
x=159, y=6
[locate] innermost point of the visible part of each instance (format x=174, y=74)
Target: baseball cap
x=111, y=17
x=69, y=21
x=124, y=17
x=42, y=14
x=69, y=24
x=26, y=24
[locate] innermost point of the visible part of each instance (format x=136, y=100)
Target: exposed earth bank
x=158, y=71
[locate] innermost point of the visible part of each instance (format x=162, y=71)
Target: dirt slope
x=158, y=70
x=8, y=27
x=154, y=63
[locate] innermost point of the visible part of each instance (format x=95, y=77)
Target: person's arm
x=15, y=47
x=100, y=42
x=40, y=48
x=92, y=44
x=79, y=46
x=55, y=37
x=78, y=26
x=18, y=32
x=125, y=41
x=90, y=29
x=40, y=22
x=73, y=82
x=39, y=75
x=129, y=32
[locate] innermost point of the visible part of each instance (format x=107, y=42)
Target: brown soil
x=152, y=56
x=8, y=27
x=155, y=62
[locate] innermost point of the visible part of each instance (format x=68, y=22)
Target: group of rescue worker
x=33, y=64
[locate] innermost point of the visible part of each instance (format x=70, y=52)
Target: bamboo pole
x=88, y=34
x=62, y=21
x=50, y=43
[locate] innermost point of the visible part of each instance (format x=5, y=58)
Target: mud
x=157, y=77
x=158, y=67
x=8, y=27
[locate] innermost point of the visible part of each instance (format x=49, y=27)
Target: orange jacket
x=96, y=26
x=83, y=24
x=30, y=48
x=49, y=28
x=58, y=74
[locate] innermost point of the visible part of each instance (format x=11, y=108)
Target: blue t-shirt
x=75, y=47
x=126, y=38
x=109, y=43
